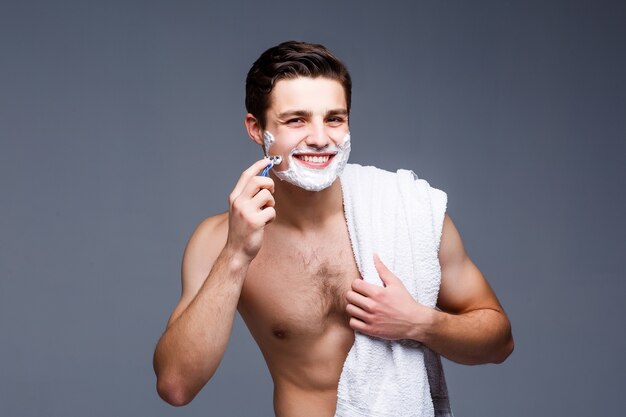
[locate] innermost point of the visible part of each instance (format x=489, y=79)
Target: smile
x=314, y=161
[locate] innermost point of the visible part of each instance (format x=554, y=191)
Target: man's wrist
x=236, y=260
x=426, y=328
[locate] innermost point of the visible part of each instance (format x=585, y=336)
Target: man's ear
x=255, y=131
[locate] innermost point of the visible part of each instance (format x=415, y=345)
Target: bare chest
x=296, y=287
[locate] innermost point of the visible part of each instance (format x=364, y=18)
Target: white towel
x=400, y=218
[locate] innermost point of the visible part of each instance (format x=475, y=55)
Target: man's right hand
x=251, y=207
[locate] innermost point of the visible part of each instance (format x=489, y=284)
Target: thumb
x=385, y=274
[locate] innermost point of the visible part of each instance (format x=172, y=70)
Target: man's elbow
x=178, y=385
x=505, y=351
x=174, y=392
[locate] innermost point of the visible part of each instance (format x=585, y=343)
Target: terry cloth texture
x=400, y=218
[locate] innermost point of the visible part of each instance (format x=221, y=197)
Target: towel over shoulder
x=400, y=218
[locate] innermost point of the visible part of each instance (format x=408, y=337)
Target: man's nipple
x=279, y=333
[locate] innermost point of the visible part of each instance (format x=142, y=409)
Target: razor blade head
x=276, y=160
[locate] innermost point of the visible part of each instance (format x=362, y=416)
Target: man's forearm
x=192, y=346
x=472, y=338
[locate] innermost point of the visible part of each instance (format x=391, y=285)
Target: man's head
x=298, y=101
x=291, y=60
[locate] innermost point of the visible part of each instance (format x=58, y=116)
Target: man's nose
x=317, y=137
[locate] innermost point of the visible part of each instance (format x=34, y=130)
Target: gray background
x=121, y=129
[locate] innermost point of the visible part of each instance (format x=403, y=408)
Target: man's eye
x=294, y=120
x=335, y=120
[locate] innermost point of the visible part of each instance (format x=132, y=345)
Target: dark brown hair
x=288, y=60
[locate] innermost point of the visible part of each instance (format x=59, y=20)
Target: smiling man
x=313, y=292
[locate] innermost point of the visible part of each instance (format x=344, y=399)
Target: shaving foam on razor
x=274, y=160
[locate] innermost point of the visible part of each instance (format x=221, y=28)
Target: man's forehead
x=307, y=94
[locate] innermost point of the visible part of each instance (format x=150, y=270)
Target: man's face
x=307, y=125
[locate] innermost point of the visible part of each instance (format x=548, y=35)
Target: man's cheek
x=268, y=141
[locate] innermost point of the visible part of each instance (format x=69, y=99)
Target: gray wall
x=121, y=129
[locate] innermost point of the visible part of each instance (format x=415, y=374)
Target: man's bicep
x=463, y=286
x=200, y=254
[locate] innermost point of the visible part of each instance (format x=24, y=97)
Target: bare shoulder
x=203, y=248
x=201, y=251
x=451, y=249
x=209, y=236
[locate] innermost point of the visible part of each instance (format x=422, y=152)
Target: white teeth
x=314, y=159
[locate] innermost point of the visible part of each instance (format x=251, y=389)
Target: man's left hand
x=388, y=312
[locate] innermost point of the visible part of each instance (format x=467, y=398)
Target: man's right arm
x=193, y=344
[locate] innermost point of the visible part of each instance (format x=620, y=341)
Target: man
x=282, y=256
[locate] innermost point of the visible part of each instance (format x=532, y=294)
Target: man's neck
x=303, y=210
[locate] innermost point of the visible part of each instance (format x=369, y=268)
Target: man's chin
x=316, y=180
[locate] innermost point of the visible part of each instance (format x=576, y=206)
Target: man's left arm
x=470, y=327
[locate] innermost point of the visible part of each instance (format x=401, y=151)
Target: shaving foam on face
x=312, y=179
x=268, y=139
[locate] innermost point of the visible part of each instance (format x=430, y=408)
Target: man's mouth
x=314, y=160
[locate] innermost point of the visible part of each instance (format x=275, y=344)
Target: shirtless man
x=282, y=257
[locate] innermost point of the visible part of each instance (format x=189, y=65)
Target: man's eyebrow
x=304, y=113
x=337, y=112
x=292, y=113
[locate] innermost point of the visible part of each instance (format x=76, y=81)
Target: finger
x=385, y=274
x=252, y=171
x=268, y=215
x=256, y=184
x=357, y=312
x=262, y=199
x=358, y=325
x=359, y=300
x=365, y=288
